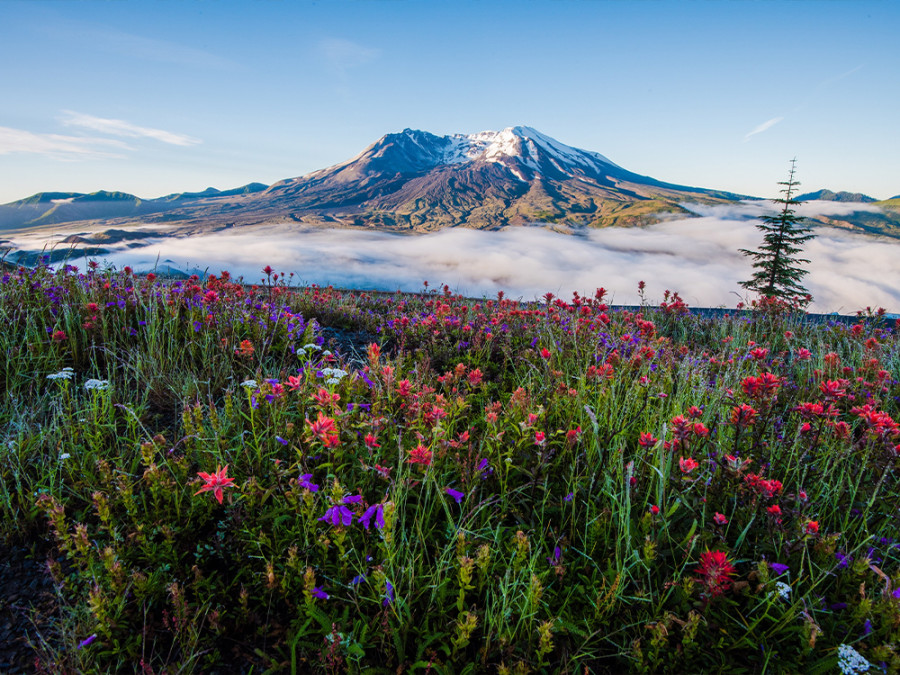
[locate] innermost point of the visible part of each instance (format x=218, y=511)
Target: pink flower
x=720, y=519
x=540, y=438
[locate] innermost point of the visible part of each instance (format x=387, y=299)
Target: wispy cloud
x=132, y=45
x=59, y=146
x=765, y=126
x=343, y=55
x=115, y=127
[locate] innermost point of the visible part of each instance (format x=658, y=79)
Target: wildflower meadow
x=232, y=478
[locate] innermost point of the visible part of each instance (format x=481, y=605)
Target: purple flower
x=88, y=640
x=338, y=515
x=376, y=510
x=358, y=579
x=281, y=440
x=896, y=593
x=304, y=482
x=319, y=593
x=780, y=568
x=456, y=494
x=569, y=497
x=389, y=593
x=843, y=560
x=556, y=558
x=867, y=627
x=353, y=499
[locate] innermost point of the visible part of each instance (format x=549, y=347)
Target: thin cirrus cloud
x=58, y=146
x=114, y=127
x=765, y=126
x=343, y=55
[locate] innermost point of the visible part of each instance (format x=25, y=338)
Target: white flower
x=99, y=385
x=335, y=373
x=327, y=352
x=64, y=374
x=850, y=661
x=313, y=346
x=332, y=380
x=65, y=455
x=784, y=590
x=250, y=384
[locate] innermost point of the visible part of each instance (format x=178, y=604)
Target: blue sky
x=168, y=96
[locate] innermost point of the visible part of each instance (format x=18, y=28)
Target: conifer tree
x=778, y=272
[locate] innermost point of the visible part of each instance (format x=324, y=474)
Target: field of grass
x=490, y=486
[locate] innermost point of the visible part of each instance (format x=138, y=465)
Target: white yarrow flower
x=250, y=384
x=64, y=374
x=850, y=661
x=99, y=385
x=65, y=455
x=313, y=346
x=783, y=589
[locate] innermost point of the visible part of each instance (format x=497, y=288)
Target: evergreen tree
x=778, y=272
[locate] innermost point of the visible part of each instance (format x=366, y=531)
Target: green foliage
x=778, y=272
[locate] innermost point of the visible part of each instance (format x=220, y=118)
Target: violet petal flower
x=780, y=568
x=304, y=482
x=376, y=510
x=389, y=593
x=88, y=640
x=456, y=494
x=319, y=593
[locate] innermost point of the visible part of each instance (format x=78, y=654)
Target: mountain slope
x=417, y=180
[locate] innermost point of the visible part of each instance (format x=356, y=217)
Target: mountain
x=53, y=208
x=421, y=181
x=829, y=196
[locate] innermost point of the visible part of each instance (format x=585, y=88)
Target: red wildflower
x=743, y=415
x=654, y=510
x=294, y=382
x=647, y=440
x=246, y=348
x=720, y=519
x=420, y=455
x=715, y=572
x=540, y=438
x=215, y=482
x=545, y=353
x=811, y=527
x=687, y=464
x=322, y=427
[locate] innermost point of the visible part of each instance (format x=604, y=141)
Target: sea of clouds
x=698, y=257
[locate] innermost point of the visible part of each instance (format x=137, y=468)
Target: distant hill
x=829, y=196
x=52, y=208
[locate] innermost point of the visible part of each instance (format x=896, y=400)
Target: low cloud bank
x=698, y=257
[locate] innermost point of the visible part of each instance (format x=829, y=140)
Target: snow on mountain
x=511, y=147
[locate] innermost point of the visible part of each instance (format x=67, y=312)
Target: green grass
x=524, y=469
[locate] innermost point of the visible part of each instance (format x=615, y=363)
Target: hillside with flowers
x=226, y=478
